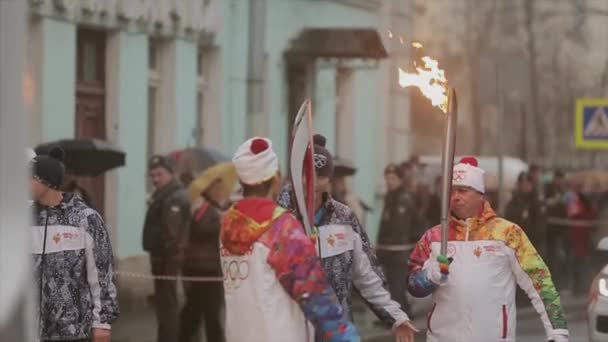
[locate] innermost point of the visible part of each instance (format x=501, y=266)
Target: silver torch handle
x=447, y=162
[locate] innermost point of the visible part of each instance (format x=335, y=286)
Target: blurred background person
x=164, y=235
x=209, y=194
x=71, y=185
x=524, y=209
x=428, y=203
x=399, y=231
x=579, y=208
x=341, y=191
x=556, y=209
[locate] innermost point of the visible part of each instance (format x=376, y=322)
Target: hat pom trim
x=258, y=146
x=470, y=161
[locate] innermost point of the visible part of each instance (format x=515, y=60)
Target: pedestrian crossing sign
x=592, y=123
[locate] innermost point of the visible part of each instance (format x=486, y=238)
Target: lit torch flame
x=430, y=80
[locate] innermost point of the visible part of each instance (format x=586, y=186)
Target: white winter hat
x=467, y=173
x=255, y=161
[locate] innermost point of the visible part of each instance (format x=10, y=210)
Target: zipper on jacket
x=505, y=320
x=428, y=320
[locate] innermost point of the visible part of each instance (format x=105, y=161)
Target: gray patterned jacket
x=349, y=260
x=78, y=291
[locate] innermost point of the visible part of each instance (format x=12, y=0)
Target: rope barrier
x=167, y=277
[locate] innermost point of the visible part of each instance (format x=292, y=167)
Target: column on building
x=324, y=105
x=232, y=42
x=365, y=117
x=52, y=68
x=278, y=106
x=127, y=84
x=175, y=119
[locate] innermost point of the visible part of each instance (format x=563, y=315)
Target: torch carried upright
x=447, y=164
x=301, y=165
x=431, y=81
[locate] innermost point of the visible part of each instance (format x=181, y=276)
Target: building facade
x=152, y=76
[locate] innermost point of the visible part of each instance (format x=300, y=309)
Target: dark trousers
x=165, y=300
x=203, y=299
x=395, y=269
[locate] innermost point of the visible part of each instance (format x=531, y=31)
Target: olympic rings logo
x=235, y=270
x=319, y=161
x=458, y=176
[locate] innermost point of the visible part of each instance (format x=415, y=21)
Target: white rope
x=167, y=277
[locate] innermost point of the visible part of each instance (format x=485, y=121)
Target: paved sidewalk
x=140, y=326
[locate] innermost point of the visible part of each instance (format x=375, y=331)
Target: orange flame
x=430, y=80
x=417, y=45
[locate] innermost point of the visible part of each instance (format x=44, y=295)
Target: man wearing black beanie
x=346, y=253
x=73, y=260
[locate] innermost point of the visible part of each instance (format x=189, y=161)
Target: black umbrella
x=86, y=157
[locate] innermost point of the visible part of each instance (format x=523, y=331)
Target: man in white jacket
x=473, y=287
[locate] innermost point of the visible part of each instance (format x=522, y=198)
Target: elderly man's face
x=465, y=202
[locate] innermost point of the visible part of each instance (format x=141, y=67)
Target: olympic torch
x=447, y=164
x=432, y=83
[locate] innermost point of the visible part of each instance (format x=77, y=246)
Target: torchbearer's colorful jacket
x=275, y=287
x=477, y=302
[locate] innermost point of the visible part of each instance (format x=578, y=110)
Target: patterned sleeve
x=99, y=272
x=370, y=281
x=285, y=199
x=534, y=277
x=293, y=257
x=419, y=284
